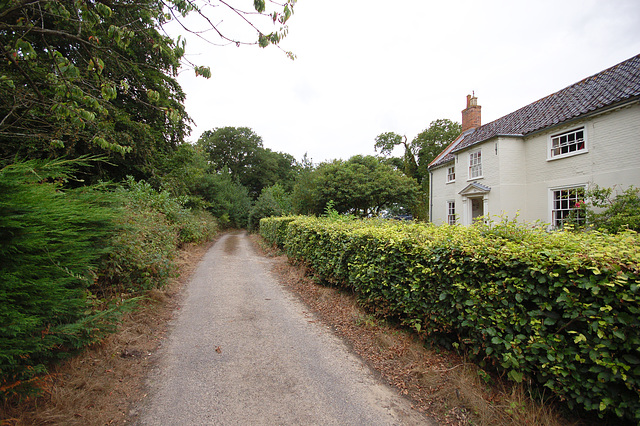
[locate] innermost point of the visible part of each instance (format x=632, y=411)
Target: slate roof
x=615, y=85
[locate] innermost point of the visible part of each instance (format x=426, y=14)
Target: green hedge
x=274, y=229
x=560, y=308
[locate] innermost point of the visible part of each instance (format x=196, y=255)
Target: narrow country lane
x=243, y=351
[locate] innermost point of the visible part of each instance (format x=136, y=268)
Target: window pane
x=569, y=142
x=566, y=206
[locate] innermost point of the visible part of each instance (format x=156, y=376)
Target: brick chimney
x=471, y=114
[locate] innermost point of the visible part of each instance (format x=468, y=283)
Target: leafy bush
x=227, y=200
x=51, y=242
x=152, y=225
x=562, y=309
x=191, y=226
x=613, y=213
x=273, y=201
x=197, y=226
x=58, y=246
x=274, y=229
x=142, y=255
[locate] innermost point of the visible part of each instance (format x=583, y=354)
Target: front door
x=477, y=208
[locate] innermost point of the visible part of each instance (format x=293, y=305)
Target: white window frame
x=451, y=212
x=568, y=141
x=451, y=174
x=560, y=209
x=475, y=165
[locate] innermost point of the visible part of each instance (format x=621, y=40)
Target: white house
x=537, y=161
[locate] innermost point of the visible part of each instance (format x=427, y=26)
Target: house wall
x=443, y=192
x=521, y=176
x=612, y=159
x=510, y=188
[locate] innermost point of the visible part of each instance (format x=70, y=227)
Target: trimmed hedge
x=274, y=229
x=560, y=308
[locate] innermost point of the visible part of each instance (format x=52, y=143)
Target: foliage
x=82, y=77
x=422, y=150
x=51, y=242
x=271, y=168
x=610, y=213
x=303, y=189
x=274, y=229
x=181, y=171
x=143, y=253
x=240, y=151
x=62, y=250
x=425, y=146
x=561, y=309
x=273, y=201
x=87, y=77
x=431, y=141
x=362, y=186
x=188, y=226
x=234, y=148
x=225, y=198
x=387, y=142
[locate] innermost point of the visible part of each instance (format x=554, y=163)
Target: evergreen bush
x=51, y=242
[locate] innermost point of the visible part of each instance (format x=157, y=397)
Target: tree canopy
x=431, y=141
x=422, y=149
x=362, y=185
x=84, y=77
x=240, y=150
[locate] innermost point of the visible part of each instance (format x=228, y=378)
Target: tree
x=240, y=150
x=387, y=142
x=85, y=76
x=363, y=186
x=425, y=146
x=181, y=171
x=232, y=147
x=82, y=76
x=225, y=198
x=430, y=142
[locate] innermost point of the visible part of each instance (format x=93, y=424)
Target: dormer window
x=451, y=174
x=568, y=143
x=475, y=164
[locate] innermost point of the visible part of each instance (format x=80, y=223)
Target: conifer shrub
x=561, y=309
x=51, y=242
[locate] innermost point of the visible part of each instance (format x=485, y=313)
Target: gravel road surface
x=244, y=351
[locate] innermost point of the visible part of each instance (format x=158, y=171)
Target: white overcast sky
x=365, y=67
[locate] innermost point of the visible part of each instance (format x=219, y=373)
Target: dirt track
x=243, y=351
